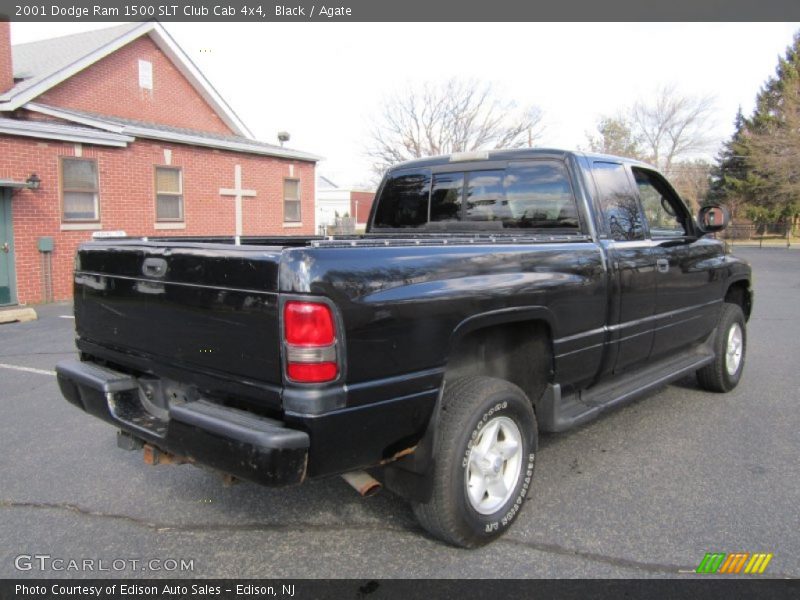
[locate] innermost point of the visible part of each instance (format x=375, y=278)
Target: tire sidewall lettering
x=507, y=515
x=511, y=513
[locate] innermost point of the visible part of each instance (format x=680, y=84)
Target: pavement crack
x=201, y=527
x=16, y=355
x=615, y=561
x=73, y=508
x=539, y=546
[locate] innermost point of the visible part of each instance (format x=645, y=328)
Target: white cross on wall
x=238, y=193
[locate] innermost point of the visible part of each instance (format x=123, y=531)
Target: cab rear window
x=404, y=200
x=525, y=195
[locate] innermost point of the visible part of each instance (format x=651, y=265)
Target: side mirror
x=713, y=217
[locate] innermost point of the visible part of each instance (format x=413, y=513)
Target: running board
x=559, y=413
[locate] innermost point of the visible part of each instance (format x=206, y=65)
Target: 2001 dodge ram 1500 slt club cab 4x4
x=495, y=295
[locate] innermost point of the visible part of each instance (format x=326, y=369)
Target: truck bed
x=211, y=318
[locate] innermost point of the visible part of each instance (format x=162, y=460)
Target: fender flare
x=737, y=280
x=501, y=317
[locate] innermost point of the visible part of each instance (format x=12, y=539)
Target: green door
x=8, y=294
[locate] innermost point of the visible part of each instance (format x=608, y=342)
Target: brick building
x=117, y=130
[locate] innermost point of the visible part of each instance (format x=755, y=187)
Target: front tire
x=487, y=439
x=730, y=345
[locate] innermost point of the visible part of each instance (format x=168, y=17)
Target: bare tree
x=454, y=116
x=673, y=125
x=692, y=180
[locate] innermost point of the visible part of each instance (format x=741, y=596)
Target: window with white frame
x=79, y=190
x=169, y=194
x=291, y=200
x=145, y=74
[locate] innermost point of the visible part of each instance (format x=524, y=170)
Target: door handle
x=5, y=248
x=662, y=264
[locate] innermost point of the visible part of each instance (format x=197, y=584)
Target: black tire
x=715, y=377
x=469, y=404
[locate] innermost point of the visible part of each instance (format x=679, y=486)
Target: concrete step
x=19, y=314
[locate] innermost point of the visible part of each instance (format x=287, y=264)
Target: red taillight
x=312, y=372
x=310, y=336
x=308, y=324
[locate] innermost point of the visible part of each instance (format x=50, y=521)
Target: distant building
x=333, y=201
x=117, y=130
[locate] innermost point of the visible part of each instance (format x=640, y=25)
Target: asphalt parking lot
x=645, y=491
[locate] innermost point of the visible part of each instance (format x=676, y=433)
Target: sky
x=324, y=82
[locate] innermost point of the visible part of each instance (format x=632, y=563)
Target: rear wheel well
x=739, y=293
x=519, y=352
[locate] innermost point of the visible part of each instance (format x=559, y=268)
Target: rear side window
x=404, y=200
x=620, y=208
x=532, y=194
x=539, y=195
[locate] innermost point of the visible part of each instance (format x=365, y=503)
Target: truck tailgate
x=208, y=308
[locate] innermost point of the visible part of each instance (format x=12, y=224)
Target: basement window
x=169, y=194
x=79, y=190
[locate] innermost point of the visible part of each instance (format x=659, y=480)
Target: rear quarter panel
x=401, y=305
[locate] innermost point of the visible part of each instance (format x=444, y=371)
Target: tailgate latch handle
x=154, y=267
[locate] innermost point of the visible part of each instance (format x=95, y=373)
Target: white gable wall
x=329, y=202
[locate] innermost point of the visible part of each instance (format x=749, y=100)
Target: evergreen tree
x=775, y=140
x=771, y=99
x=760, y=165
x=730, y=177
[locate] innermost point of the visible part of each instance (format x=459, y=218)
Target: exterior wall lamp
x=33, y=182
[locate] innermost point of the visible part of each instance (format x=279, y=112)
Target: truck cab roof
x=506, y=155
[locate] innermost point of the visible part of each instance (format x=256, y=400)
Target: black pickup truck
x=495, y=295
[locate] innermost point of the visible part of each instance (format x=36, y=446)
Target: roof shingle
x=36, y=61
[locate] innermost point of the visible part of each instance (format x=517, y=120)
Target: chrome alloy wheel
x=733, y=349
x=494, y=465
